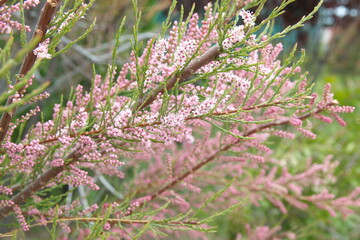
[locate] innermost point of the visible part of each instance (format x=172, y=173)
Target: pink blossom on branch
x=6, y=12
x=203, y=104
x=41, y=51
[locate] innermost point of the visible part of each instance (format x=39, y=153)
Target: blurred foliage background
x=332, y=45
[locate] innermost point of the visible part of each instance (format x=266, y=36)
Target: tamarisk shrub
x=178, y=131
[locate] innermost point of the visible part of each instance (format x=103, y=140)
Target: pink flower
x=41, y=51
x=248, y=18
x=107, y=227
x=6, y=24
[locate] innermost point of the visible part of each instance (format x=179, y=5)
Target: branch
x=109, y=220
x=210, y=55
x=47, y=12
x=94, y=132
x=39, y=183
x=178, y=179
x=41, y=27
x=117, y=220
x=207, y=57
x=2, y=2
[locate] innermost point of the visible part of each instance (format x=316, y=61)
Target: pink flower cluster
x=41, y=51
x=265, y=232
x=6, y=12
x=248, y=18
x=17, y=211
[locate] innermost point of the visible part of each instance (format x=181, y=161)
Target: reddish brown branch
x=2, y=2
x=285, y=122
x=189, y=172
x=41, y=27
x=109, y=220
x=178, y=179
x=116, y=220
x=94, y=132
x=207, y=57
x=45, y=178
x=39, y=183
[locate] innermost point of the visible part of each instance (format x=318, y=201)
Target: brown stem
x=189, y=172
x=207, y=57
x=116, y=220
x=2, y=2
x=41, y=27
x=39, y=183
x=109, y=220
x=178, y=179
x=94, y=132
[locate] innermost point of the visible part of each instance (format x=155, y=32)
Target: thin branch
x=2, y=2
x=42, y=26
x=39, y=183
x=207, y=57
x=95, y=132
x=210, y=55
x=45, y=178
x=178, y=179
x=109, y=187
x=116, y=220
x=109, y=220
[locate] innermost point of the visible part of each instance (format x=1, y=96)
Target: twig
x=39, y=183
x=42, y=181
x=83, y=200
x=2, y=2
x=207, y=57
x=109, y=220
x=109, y=187
x=178, y=179
x=94, y=132
x=45, y=17
x=116, y=220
